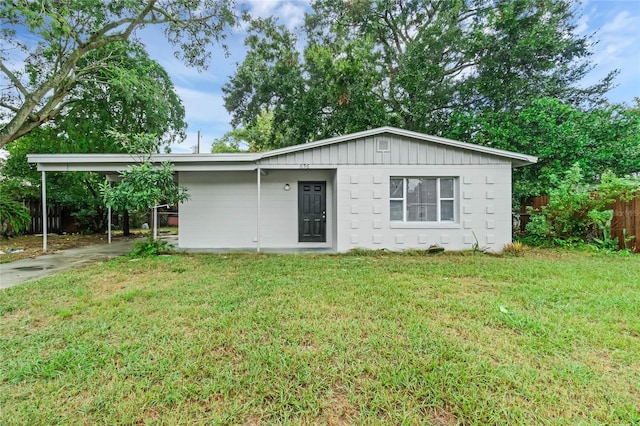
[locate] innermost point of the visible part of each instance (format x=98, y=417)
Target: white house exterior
x=384, y=188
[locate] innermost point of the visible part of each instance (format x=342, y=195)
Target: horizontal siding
x=402, y=151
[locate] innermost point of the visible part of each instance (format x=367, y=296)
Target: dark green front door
x=312, y=212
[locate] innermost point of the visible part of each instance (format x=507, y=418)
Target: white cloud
x=205, y=112
x=623, y=22
x=290, y=13
x=582, y=25
x=203, y=106
x=616, y=26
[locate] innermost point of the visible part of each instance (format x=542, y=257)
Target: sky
x=615, y=24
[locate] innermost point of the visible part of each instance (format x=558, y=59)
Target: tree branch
x=15, y=80
x=9, y=107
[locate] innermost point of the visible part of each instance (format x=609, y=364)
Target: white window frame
x=439, y=200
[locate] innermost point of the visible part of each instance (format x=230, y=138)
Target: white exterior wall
x=279, y=209
x=222, y=211
x=483, y=207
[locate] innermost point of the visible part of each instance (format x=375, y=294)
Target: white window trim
x=426, y=224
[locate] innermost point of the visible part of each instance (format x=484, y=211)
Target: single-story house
x=383, y=188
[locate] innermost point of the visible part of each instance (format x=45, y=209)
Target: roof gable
x=437, y=150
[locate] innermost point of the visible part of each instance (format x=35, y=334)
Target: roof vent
x=382, y=145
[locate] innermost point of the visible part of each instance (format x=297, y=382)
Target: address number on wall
x=304, y=166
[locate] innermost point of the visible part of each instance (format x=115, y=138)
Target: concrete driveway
x=21, y=271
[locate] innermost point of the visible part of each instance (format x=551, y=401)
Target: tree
x=258, y=137
x=410, y=63
x=104, y=104
x=143, y=186
x=61, y=35
x=561, y=135
x=131, y=93
x=14, y=215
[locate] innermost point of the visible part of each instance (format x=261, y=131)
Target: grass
x=549, y=338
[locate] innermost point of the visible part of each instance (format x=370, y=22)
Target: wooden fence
x=626, y=220
x=59, y=219
x=535, y=203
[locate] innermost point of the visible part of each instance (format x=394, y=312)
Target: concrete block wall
x=483, y=208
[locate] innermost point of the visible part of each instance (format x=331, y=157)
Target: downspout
x=44, y=211
x=258, y=211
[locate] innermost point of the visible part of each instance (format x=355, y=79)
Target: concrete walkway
x=21, y=271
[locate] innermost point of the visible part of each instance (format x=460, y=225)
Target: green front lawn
x=551, y=338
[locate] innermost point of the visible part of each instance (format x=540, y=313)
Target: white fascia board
x=116, y=163
x=134, y=158
x=214, y=167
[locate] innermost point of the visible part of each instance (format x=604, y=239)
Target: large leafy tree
x=562, y=135
x=47, y=48
x=130, y=92
x=102, y=104
x=410, y=63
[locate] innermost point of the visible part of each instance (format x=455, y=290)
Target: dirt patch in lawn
x=29, y=246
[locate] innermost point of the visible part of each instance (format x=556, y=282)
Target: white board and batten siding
x=365, y=151
x=363, y=172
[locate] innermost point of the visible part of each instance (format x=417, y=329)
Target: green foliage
x=560, y=135
x=602, y=219
x=150, y=247
x=14, y=216
x=578, y=211
x=225, y=145
x=73, y=46
x=257, y=137
x=567, y=214
x=144, y=185
x=410, y=63
x=613, y=188
x=131, y=93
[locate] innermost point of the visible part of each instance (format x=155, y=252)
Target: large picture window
x=422, y=199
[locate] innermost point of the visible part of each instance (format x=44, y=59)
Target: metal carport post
x=44, y=211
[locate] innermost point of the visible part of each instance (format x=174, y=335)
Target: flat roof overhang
x=117, y=163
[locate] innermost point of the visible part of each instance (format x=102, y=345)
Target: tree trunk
x=125, y=224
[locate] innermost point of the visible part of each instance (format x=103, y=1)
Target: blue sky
x=616, y=24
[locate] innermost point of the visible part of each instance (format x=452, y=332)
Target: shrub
x=14, y=216
x=150, y=247
x=579, y=213
x=515, y=248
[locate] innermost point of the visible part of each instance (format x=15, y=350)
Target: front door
x=312, y=212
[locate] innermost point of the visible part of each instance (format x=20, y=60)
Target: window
x=421, y=199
